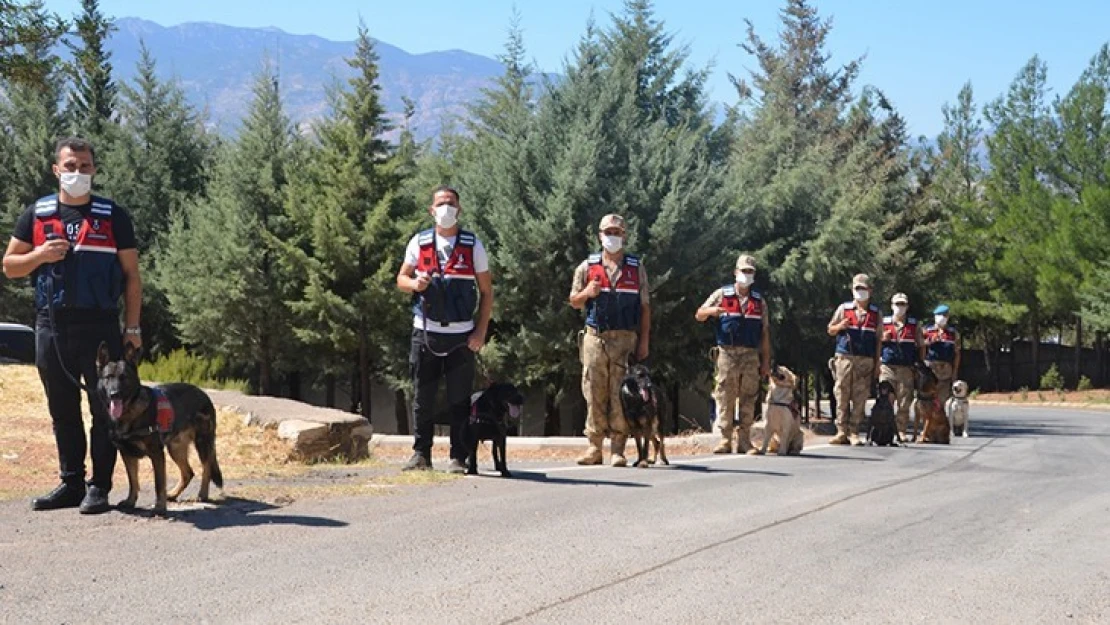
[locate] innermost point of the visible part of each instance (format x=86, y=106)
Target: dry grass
x=1094, y=396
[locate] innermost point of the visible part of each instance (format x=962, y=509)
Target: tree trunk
x=1078, y=350
x=401, y=411
x=329, y=390
x=551, y=417
x=364, y=370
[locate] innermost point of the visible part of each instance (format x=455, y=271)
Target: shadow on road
x=701, y=468
x=543, y=478
x=238, y=512
x=1001, y=429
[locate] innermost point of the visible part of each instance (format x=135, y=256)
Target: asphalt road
x=1009, y=526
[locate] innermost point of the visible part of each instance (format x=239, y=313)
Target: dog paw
x=506, y=473
x=126, y=504
x=472, y=471
x=159, y=511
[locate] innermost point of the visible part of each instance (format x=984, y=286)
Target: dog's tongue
x=645, y=395
x=115, y=408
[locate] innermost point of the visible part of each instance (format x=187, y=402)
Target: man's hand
x=421, y=282
x=476, y=341
x=53, y=251
x=593, y=288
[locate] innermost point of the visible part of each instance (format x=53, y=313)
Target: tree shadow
x=1004, y=429
x=236, y=512
x=544, y=478
x=701, y=468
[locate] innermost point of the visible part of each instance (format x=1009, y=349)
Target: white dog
x=958, y=409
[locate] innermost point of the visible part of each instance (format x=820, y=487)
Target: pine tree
x=27, y=28
x=352, y=222
x=92, y=101
x=230, y=299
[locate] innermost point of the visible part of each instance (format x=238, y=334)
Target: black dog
x=492, y=412
x=641, y=409
x=883, y=430
x=148, y=421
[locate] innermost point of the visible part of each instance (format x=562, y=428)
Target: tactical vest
x=617, y=307
x=902, y=349
x=740, y=323
x=453, y=293
x=944, y=350
x=859, y=338
x=90, y=276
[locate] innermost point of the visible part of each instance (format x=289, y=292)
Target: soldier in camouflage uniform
x=743, y=353
x=856, y=363
x=942, y=352
x=612, y=287
x=901, y=348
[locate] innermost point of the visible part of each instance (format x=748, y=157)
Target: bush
x=181, y=366
x=1052, y=378
x=1084, y=383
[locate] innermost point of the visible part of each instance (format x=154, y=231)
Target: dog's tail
x=206, y=444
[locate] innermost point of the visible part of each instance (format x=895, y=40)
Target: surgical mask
x=446, y=215
x=75, y=184
x=745, y=279
x=862, y=295
x=900, y=310
x=612, y=243
x=942, y=320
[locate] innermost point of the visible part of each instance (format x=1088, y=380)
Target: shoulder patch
x=465, y=238
x=728, y=291
x=631, y=261
x=425, y=237
x=755, y=295
x=46, y=206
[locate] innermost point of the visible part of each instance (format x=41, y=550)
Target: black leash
x=437, y=283
x=53, y=273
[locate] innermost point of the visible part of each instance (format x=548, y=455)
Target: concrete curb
x=1042, y=404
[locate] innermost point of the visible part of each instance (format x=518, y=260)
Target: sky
x=919, y=53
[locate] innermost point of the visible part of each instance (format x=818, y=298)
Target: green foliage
x=183, y=366
x=1052, y=378
x=1084, y=384
x=26, y=28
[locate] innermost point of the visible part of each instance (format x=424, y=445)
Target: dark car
x=17, y=342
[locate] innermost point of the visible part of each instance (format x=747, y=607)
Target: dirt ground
x=1093, y=397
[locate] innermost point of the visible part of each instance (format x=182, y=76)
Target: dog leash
x=52, y=273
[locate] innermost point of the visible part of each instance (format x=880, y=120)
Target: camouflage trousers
x=901, y=376
x=604, y=362
x=944, y=373
x=737, y=380
x=854, y=375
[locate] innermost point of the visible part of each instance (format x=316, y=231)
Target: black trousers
x=78, y=342
x=457, y=368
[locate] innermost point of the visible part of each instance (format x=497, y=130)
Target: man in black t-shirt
x=79, y=250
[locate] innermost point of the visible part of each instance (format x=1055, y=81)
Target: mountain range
x=216, y=65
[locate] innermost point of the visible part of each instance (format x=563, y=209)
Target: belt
x=595, y=332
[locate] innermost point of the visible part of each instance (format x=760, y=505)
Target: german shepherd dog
x=927, y=410
x=492, y=413
x=883, y=431
x=146, y=421
x=641, y=410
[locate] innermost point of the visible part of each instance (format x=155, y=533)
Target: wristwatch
x=136, y=331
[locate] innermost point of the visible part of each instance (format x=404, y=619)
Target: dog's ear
x=102, y=355
x=132, y=354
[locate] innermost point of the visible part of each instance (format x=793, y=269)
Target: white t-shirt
x=444, y=247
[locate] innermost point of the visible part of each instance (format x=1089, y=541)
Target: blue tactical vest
x=902, y=351
x=943, y=350
x=453, y=294
x=90, y=277
x=740, y=324
x=617, y=307
x=859, y=339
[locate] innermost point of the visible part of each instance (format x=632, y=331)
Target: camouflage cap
x=611, y=221
x=899, y=298
x=861, y=279
x=745, y=261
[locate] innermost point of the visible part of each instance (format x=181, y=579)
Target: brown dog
x=930, y=424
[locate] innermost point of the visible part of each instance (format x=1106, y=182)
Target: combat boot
x=616, y=448
x=744, y=441
x=725, y=446
x=841, y=438
x=855, y=440
x=593, y=452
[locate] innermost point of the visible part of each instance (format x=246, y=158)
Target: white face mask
x=942, y=320
x=75, y=184
x=900, y=310
x=611, y=243
x=446, y=215
x=745, y=279
x=862, y=295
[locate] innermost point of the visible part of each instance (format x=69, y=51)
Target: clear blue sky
x=919, y=53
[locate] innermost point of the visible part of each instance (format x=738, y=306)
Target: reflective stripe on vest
x=902, y=350
x=741, y=322
x=859, y=339
x=617, y=307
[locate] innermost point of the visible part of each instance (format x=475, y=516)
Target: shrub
x=181, y=366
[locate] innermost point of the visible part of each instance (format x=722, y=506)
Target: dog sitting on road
x=883, y=430
x=958, y=409
x=641, y=410
x=930, y=425
x=780, y=416
x=492, y=413
x=148, y=421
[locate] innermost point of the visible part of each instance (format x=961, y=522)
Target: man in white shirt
x=446, y=269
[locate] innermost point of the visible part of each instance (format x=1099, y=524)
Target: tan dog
x=780, y=420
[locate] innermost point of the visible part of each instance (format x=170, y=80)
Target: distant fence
x=1011, y=368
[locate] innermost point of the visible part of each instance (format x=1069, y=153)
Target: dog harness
x=617, y=307
x=741, y=322
x=859, y=338
x=90, y=276
x=453, y=293
x=159, y=416
x=902, y=349
x=944, y=349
